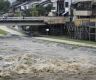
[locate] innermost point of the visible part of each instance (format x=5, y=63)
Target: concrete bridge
x=27, y=21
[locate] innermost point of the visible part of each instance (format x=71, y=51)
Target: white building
x=84, y=8
x=65, y=4
x=58, y=6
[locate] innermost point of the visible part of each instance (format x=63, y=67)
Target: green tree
x=4, y=6
x=48, y=8
x=38, y=10
x=41, y=10
x=35, y=11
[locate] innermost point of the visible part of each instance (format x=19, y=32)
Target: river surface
x=24, y=58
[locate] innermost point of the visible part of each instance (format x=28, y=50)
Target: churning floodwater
x=23, y=58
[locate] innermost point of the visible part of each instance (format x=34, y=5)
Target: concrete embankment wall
x=10, y=31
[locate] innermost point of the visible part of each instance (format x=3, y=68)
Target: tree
x=38, y=10
x=41, y=10
x=4, y=6
x=35, y=11
x=48, y=8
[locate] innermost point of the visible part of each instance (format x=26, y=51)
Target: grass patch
x=2, y=32
x=69, y=39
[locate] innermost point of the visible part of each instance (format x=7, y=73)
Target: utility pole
x=71, y=17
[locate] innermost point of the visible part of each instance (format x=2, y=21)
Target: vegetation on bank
x=69, y=39
x=2, y=32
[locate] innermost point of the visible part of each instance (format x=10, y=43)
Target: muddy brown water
x=23, y=58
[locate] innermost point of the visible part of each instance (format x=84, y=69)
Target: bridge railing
x=49, y=20
x=10, y=18
x=21, y=18
x=34, y=18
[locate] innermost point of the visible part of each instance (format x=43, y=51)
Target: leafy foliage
x=3, y=32
x=38, y=10
x=4, y=6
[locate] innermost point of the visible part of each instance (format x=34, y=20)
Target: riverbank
x=6, y=31
x=64, y=40
x=2, y=32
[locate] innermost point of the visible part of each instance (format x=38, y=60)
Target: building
x=84, y=8
x=67, y=7
x=20, y=6
x=61, y=7
x=58, y=7
x=84, y=12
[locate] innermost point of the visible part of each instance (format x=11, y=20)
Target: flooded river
x=23, y=58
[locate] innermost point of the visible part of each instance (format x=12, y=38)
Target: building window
x=60, y=5
x=66, y=4
x=84, y=6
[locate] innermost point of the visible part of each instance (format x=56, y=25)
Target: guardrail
x=49, y=20
x=21, y=18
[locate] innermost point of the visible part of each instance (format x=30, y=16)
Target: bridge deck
x=33, y=20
